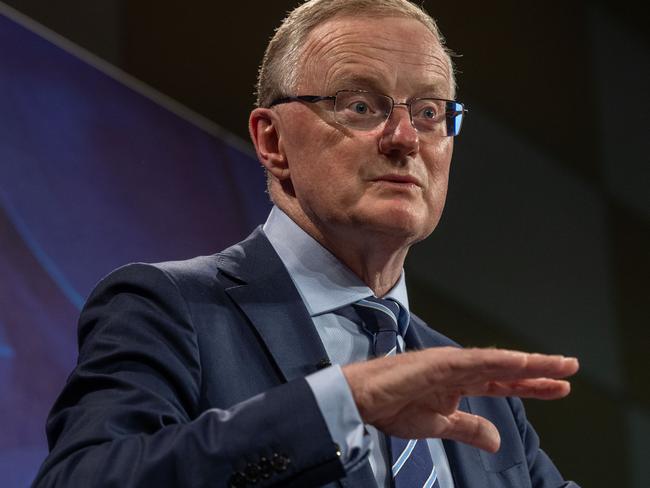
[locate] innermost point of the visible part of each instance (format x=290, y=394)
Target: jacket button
x=266, y=468
x=252, y=472
x=237, y=480
x=279, y=462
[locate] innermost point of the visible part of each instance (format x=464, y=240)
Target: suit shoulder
x=197, y=268
x=186, y=276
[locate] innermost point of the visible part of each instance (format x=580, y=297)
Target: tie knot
x=381, y=318
x=379, y=314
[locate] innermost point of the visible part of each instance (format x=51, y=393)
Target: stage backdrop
x=92, y=175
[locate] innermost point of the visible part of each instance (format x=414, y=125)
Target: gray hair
x=278, y=72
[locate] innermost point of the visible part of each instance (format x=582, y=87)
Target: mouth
x=399, y=180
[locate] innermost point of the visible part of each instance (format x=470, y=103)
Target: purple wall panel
x=92, y=175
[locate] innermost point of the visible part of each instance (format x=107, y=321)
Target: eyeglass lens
x=366, y=110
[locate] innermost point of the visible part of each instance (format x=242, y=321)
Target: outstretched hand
x=416, y=394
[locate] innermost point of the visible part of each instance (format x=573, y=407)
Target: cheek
x=438, y=158
x=313, y=145
x=321, y=159
x=320, y=178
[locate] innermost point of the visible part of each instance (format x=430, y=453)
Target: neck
x=376, y=258
x=379, y=267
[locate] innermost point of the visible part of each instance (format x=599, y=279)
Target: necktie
x=411, y=460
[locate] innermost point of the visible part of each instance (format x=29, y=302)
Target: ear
x=263, y=125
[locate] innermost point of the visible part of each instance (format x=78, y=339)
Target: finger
x=442, y=403
x=541, y=389
x=473, y=430
x=478, y=365
x=382, y=387
x=420, y=422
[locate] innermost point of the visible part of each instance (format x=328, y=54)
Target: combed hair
x=278, y=73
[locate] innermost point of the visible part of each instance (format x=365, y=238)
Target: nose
x=399, y=138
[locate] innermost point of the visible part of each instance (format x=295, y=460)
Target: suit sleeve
x=130, y=413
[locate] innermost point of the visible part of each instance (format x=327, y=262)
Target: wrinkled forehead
x=376, y=53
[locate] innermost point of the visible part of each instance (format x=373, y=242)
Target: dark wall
x=544, y=244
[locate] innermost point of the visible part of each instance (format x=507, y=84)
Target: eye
x=360, y=108
x=357, y=104
x=429, y=113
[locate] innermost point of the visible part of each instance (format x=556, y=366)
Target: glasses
x=364, y=110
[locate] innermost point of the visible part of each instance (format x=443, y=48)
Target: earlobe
x=263, y=125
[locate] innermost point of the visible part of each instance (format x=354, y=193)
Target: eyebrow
x=357, y=81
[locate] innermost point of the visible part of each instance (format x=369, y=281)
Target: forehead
x=397, y=55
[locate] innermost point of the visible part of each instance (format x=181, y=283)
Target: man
x=215, y=371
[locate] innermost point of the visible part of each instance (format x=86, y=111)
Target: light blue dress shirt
x=325, y=284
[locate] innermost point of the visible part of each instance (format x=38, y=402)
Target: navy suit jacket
x=191, y=372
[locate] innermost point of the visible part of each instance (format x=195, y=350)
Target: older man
x=255, y=366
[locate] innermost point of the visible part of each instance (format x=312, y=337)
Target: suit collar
x=323, y=281
x=264, y=292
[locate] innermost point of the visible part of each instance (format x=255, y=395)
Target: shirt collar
x=323, y=282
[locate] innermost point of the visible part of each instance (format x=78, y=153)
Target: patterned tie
x=411, y=460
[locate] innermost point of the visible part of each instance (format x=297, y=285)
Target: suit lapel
x=420, y=336
x=266, y=294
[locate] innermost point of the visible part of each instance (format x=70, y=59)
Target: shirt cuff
x=343, y=420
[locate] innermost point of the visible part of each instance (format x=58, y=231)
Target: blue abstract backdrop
x=92, y=175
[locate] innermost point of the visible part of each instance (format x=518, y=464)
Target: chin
x=404, y=224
